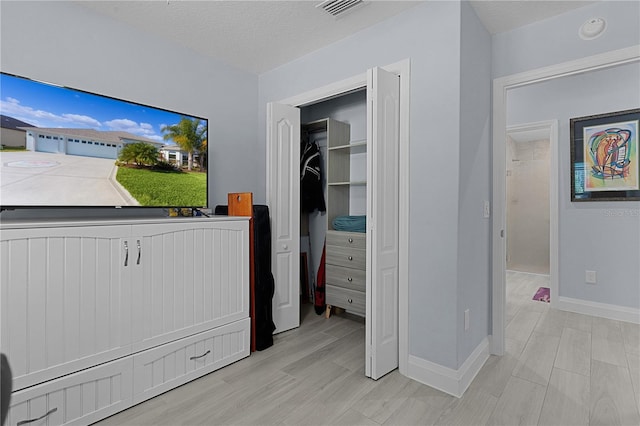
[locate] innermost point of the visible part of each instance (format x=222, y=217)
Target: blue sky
x=45, y=105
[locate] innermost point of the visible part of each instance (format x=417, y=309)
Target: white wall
x=474, y=245
x=428, y=34
x=555, y=40
x=599, y=236
x=65, y=43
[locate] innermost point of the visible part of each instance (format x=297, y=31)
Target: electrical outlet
x=466, y=320
x=590, y=277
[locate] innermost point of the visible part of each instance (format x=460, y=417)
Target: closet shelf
x=348, y=183
x=356, y=145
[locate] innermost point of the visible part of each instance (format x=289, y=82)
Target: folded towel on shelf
x=350, y=223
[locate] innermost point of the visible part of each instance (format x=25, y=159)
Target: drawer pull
x=350, y=240
x=350, y=300
x=350, y=257
x=126, y=253
x=200, y=356
x=48, y=413
x=139, y=253
x=349, y=279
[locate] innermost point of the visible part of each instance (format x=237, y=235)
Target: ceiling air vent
x=337, y=8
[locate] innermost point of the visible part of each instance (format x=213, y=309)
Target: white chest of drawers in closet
x=346, y=271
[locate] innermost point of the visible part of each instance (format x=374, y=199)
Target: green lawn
x=160, y=188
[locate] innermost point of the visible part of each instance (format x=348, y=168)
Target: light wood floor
x=560, y=369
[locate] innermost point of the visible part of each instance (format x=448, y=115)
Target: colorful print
x=611, y=157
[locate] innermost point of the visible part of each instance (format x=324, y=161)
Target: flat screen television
x=64, y=147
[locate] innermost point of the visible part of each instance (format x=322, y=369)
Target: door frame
x=339, y=88
x=546, y=130
x=501, y=86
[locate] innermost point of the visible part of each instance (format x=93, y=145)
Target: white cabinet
x=77, y=399
x=128, y=295
x=346, y=263
x=190, y=279
x=162, y=368
x=66, y=299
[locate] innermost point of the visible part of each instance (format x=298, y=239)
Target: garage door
x=48, y=143
x=92, y=149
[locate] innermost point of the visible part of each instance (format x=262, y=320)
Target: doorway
x=529, y=183
x=501, y=88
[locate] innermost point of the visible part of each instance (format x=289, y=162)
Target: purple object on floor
x=543, y=295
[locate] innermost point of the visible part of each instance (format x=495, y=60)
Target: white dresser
x=97, y=316
x=346, y=271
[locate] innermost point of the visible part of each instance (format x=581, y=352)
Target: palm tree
x=188, y=134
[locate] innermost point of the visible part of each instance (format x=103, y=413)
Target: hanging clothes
x=311, y=190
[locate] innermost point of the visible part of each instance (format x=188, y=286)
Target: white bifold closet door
x=383, y=135
x=283, y=198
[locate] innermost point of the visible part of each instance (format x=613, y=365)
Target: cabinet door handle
x=48, y=413
x=350, y=257
x=350, y=240
x=350, y=300
x=349, y=279
x=126, y=253
x=139, y=252
x=200, y=356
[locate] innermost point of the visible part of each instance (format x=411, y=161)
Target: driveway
x=46, y=179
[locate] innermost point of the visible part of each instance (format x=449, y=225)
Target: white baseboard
x=596, y=309
x=453, y=382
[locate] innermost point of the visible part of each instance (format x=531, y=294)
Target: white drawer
x=339, y=276
x=347, y=257
x=170, y=365
x=347, y=239
x=353, y=301
x=77, y=399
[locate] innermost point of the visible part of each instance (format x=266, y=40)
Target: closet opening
x=384, y=245
x=333, y=209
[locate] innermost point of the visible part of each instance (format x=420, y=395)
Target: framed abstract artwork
x=604, y=157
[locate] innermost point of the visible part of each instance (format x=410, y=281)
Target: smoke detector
x=338, y=8
x=592, y=29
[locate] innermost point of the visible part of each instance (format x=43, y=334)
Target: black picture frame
x=605, y=166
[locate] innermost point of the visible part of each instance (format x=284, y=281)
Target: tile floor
x=559, y=368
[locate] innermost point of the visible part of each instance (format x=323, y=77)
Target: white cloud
x=90, y=122
x=12, y=108
x=121, y=124
x=126, y=125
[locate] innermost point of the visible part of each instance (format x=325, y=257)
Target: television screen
x=63, y=147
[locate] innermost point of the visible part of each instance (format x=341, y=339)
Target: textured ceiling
x=261, y=35
x=253, y=35
x=501, y=16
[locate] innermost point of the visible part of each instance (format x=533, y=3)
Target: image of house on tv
x=85, y=142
